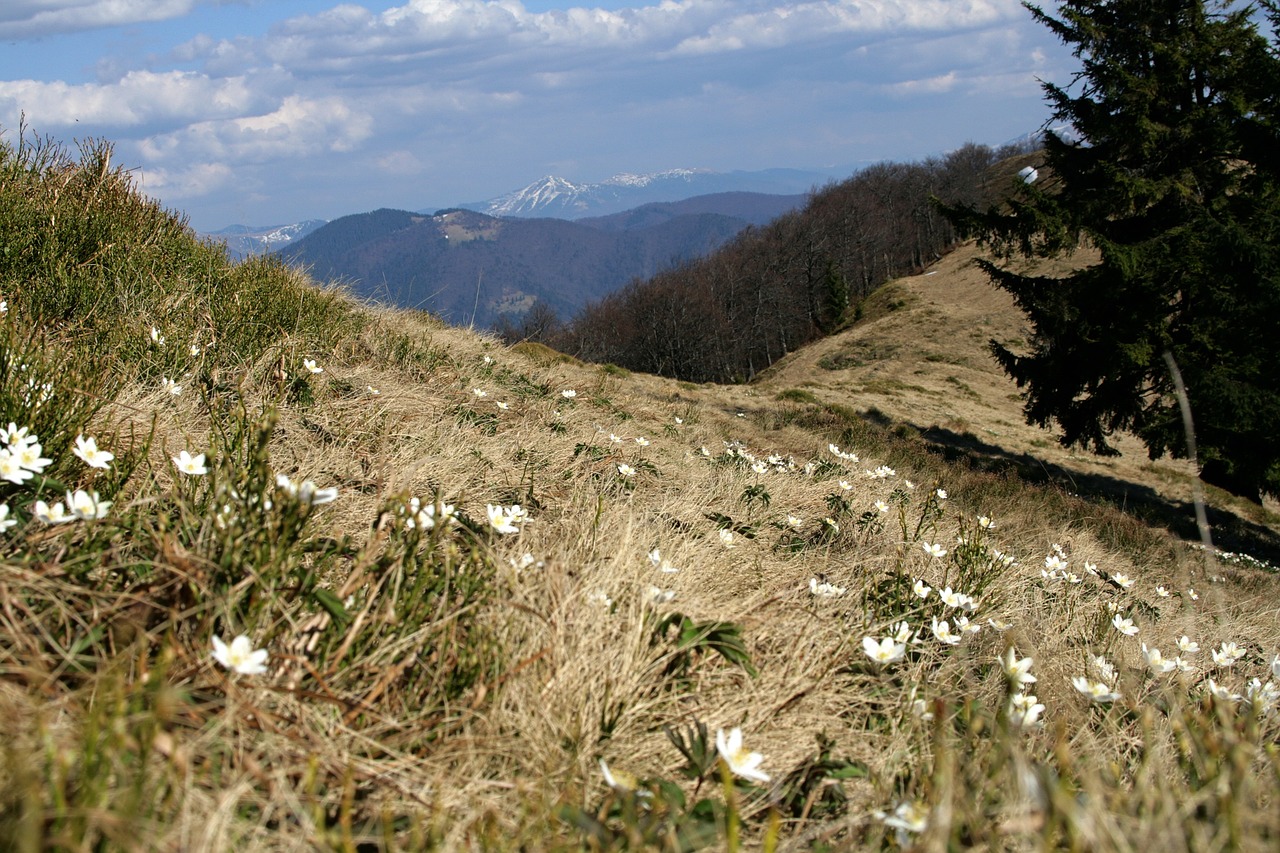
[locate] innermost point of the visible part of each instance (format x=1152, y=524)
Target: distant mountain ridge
x=558, y=197
x=472, y=268
x=245, y=240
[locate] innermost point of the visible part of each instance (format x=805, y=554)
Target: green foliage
x=690, y=640
x=1175, y=182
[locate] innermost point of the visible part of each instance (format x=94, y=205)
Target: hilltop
x=509, y=600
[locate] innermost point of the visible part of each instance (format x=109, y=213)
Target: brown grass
x=580, y=680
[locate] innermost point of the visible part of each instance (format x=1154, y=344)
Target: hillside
x=470, y=268
x=719, y=617
x=918, y=359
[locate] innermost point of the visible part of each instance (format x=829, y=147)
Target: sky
x=267, y=112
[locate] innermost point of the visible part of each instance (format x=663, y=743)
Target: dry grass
x=473, y=714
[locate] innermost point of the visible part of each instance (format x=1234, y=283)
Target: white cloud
x=185, y=182
x=139, y=99
x=21, y=19
x=431, y=99
x=930, y=85
x=298, y=127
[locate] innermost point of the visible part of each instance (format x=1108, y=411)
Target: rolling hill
x=281, y=570
x=470, y=268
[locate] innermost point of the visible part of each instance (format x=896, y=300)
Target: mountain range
x=245, y=240
x=471, y=268
x=564, y=199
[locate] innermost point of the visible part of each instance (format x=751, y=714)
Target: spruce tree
x=1162, y=157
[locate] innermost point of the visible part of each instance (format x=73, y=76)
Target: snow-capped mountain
x=558, y=197
x=245, y=240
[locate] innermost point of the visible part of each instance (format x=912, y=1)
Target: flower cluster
x=506, y=520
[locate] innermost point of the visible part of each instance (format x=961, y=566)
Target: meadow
x=284, y=571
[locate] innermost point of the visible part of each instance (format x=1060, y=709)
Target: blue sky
x=271, y=111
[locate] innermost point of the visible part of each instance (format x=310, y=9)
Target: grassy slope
x=459, y=700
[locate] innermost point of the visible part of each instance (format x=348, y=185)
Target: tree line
x=776, y=287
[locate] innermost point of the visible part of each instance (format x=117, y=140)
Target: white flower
x=568, y=393
x=1124, y=625
x=1123, y=580
x=986, y=523
x=240, y=656
x=943, y=632
x=373, y=391
x=170, y=387
x=934, y=550
x=726, y=537
x=1275, y=667
x=1105, y=669
x=907, y=817
x=921, y=589
x=1157, y=662
x=1222, y=692
x=622, y=782
x=87, y=450
x=823, y=589
x=28, y=456
x=941, y=494
x=795, y=522
x=500, y=520
x=192, y=466
x=1183, y=666
x=999, y=624
x=1193, y=595
x=1017, y=669
x=950, y=598
x=626, y=470
x=902, y=632
x=655, y=596
x=1227, y=654
x=1162, y=592
x=740, y=761
x=964, y=626
x=11, y=470
x=1024, y=711
x=479, y=392
x=5, y=521
x=14, y=437
x=881, y=506
x=56, y=514
x=1093, y=690
x=642, y=442
x=156, y=337
x=1053, y=563
x=311, y=366
x=885, y=651
x=86, y=505
x=1187, y=646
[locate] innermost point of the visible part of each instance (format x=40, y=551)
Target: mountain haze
x=556, y=196
x=469, y=267
x=244, y=240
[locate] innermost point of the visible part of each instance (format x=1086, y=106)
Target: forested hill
x=774, y=288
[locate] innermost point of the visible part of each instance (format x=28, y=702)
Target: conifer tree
x=1163, y=158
